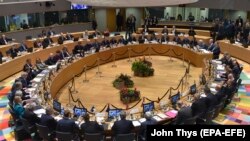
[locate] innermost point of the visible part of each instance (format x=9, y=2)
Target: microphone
x=92, y=109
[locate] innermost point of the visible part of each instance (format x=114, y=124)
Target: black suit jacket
x=199, y=106
x=212, y=101
x=66, y=125
x=122, y=127
x=92, y=127
x=4, y=42
x=31, y=117
x=47, y=42
x=183, y=114
x=61, y=39
x=49, y=121
x=13, y=52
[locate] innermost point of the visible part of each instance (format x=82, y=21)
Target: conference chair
x=125, y=137
x=218, y=108
x=207, y=119
x=43, y=132
x=93, y=137
x=64, y=136
x=190, y=121
x=30, y=129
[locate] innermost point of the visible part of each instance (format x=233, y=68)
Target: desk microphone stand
x=98, y=67
x=85, y=75
x=114, y=65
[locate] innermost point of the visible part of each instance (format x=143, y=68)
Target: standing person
x=128, y=28
x=119, y=21
x=239, y=21
x=94, y=24
x=133, y=21
x=154, y=21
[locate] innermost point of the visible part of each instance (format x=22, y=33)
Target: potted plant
x=122, y=81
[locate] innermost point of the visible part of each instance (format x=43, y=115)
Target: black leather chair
x=125, y=137
x=190, y=121
x=218, y=108
x=93, y=137
x=43, y=132
x=64, y=136
x=207, y=119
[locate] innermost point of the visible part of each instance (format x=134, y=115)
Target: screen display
x=148, y=107
x=175, y=98
x=75, y=6
x=193, y=89
x=79, y=111
x=114, y=112
x=57, y=106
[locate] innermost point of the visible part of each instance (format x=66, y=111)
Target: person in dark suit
x=122, y=41
x=191, y=32
x=239, y=38
x=185, y=41
x=165, y=30
x=23, y=80
x=143, y=128
x=184, y=113
x=30, y=116
x=23, y=47
x=94, y=24
x=78, y=49
x=13, y=51
x=177, y=39
x=191, y=17
x=211, y=100
x=48, y=120
x=113, y=41
x=24, y=25
x=51, y=32
x=122, y=126
x=64, y=53
x=119, y=22
x=40, y=65
x=106, y=42
x=50, y=60
x=164, y=38
x=4, y=40
x=211, y=45
x=219, y=93
x=247, y=41
x=202, y=45
x=216, y=51
x=91, y=127
x=96, y=45
x=239, y=21
x=68, y=36
x=199, y=106
x=68, y=125
x=154, y=21
x=61, y=38
x=47, y=41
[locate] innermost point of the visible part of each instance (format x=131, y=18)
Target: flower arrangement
x=142, y=68
x=128, y=95
x=122, y=81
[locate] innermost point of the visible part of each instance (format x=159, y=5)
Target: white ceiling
x=131, y=3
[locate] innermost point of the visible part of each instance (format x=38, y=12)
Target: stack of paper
x=161, y=115
x=171, y=113
x=157, y=118
x=142, y=120
x=136, y=123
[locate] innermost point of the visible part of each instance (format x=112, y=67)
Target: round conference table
x=235, y=50
x=102, y=57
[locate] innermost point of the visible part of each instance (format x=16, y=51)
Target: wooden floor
x=99, y=90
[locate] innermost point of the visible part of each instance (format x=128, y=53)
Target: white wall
x=234, y=15
x=60, y=5
x=222, y=4
x=137, y=12
x=101, y=18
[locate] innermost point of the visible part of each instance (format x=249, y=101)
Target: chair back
x=29, y=128
x=93, y=137
x=43, y=132
x=125, y=137
x=64, y=136
x=190, y=121
x=218, y=108
x=209, y=116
